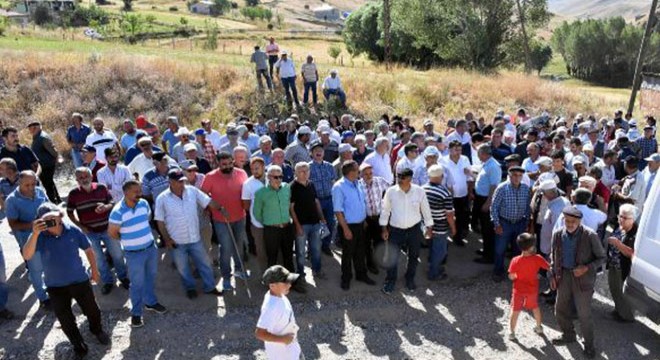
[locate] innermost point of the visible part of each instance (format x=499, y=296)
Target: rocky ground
x=465, y=317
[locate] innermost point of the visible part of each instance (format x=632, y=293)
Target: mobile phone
x=50, y=223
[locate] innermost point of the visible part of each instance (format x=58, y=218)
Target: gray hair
x=485, y=149
x=272, y=169
x=9, y=163
x=301, y=165
x=629, y=210
x=83, y=169
x=240, y=148
x=381, y=140
x=26, y=174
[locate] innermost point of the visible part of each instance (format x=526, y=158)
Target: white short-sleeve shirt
x=180, y=214
x=250, y=188
x=457, y=179
x=277, y=318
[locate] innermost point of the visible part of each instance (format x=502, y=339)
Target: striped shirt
x=134, y=230
x=84, y=204
x=180, y=214
x=114, y=180
x=374, y=193
x=101, y=142
x=297, y=152
x=441, y=202
x=154, y=183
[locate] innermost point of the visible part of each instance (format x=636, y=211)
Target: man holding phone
x=58, y=242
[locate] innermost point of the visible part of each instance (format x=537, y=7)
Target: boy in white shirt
x=277, y=326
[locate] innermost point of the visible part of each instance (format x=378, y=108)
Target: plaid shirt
x=647, y=147
x=323, y=176
x=374, y=194
x=296, y=152
x=510, y=203
x=209, y=154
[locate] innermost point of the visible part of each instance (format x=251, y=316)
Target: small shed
x=327, y=13
x=203, y=7
x=650, y=93
x=15, y=17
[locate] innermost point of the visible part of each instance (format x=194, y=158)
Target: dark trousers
x=61, y=297
x=353, y=253
x=279, y=239
x=47, y=178
x=374, y=239
x=290, y=89
x=272, y=59
x=571, y=297
x=411, y=239
x=487, y=229
x=462, y=215
x=310, y=86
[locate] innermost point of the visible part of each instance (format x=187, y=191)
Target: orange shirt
x=526, y=269
x=226, y=191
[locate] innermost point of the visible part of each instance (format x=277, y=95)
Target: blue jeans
x=76, y=157
x=339, y=92
x=117, y=255
x=310, y=86
x=311, y=234
x=511, y=232
x=437, y=254
x=227, y=249
x=200, y=257
x=4, y=292
x=290, y=89
x=36, y=270
x=412, y=239
x=329, y=215
x=142, y=270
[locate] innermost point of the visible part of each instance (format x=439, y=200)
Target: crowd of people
x=540, y=190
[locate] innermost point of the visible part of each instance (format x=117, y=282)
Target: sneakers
x=156, y=308
x=410, y=286
x=367, y=280
x=387, y=289
x=103, y=338
x=106, y=289
x=125, y=283
x=136, y=321
x=214, y=292
x=538, y=330
x=191, y=294
x=512, y=336
x=243, y=275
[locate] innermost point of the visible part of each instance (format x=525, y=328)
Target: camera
x=50, y=223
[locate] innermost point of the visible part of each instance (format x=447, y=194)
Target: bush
x=173, y=8
x=251, y=2
x=82, y=16
x=334, y=51
x=41, y=15
x=253, y=13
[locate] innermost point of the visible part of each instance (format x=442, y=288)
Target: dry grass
x=50, y=86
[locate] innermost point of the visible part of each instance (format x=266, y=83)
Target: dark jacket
x=42, y=145
x=589, y=252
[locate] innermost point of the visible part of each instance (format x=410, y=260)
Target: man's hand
x=499, y=230
x=485, y=207
x=429, y=233
x=452, y=231
x=287, y=339
x=169, y=243
x=348, y=235
x=38, y=226
x=513, y=276
x=96, y=277
x=553, y=284
x=580, y=270
x=299, y=230
x=385, y=235
x=102, y=208
x=613, y=241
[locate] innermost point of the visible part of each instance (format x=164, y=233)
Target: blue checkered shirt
x=323, y=176
x=647, y=147
x=510, y=203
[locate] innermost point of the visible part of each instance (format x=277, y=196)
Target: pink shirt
x=272, y=49
x=226, y=191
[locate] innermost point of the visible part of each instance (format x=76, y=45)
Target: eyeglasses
x=621, y=217
x=277, y=177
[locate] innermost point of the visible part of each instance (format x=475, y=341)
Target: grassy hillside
x=629, y=9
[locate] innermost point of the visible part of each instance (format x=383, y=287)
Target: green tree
x=211, y=41
x=252, y=2
x=183, y=21
x=42, y=16
x=150, y=19
x=334, y=51
x=220, y=6
x=540, y=56
x=132, y=24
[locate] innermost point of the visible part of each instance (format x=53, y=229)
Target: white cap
x=436, y=171
x=587, y=147
x=548, y=185
x=543, y=161
x=344, y=148
x=242, y=129
x=323, y=129
x=360, y=137
x=304, y=130
x=189, y=146
x=182, y=131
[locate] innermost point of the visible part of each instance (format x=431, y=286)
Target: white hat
x=654, y=157
x=344, y=148
x=543, y=161
x=189, y=146
x=323, y=129
x=264, y=139
x=182, y=131
x=548, y=185
x=436, y=171
x=431, y=151
x=578, y=160
x=360, y=137
x=304, y=130
x=587, y=147
x=588, y=179
x=242, y=129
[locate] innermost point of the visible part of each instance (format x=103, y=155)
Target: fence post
x=173, y=43
x=191, y=44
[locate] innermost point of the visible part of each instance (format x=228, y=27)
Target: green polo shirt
x=271, y=207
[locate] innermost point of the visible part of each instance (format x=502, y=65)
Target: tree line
x=605, y=51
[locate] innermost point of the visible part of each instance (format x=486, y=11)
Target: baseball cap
x=189, y=147
x=187, y=165
x=304, y=130
x=323, y=129
x=278, y=274
x=346, y=134
x=548, y=185
x=365, y=166
x=431, y=151
x=654, y=157
x=175, y=174
x=33, y=123
x=516, y=169
x=48, y=208
x=200, y=132
x=543, y=161
x=344, y=148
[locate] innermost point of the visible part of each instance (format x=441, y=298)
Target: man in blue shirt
x=489, y=177
x=322, y=175
x=21, y=209
x=349, y=203
x=76, y=134
x=65, y=276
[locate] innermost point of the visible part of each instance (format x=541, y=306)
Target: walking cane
x=225, y=214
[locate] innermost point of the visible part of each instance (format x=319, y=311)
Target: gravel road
x=465, y=317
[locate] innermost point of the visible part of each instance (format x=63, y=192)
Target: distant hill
x=598, y=9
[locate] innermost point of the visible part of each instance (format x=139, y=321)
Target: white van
x=642, y=287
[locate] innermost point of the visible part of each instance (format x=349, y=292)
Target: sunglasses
x=277, y=177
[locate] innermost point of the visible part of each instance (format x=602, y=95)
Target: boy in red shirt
x=523, y=271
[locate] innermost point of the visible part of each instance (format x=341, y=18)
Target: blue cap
x=347, y=134
x=200, y=132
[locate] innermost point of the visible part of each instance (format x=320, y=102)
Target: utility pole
x=387, y=22
x=637, y=80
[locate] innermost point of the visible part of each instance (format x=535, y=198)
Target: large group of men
x=288, y=191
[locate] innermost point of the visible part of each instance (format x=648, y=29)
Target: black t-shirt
x=565, y=179
x=303, y=198
x=24, y=157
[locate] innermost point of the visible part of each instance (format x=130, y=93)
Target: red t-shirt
x=226, y=191
x=85, y=203
x=526, y=269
